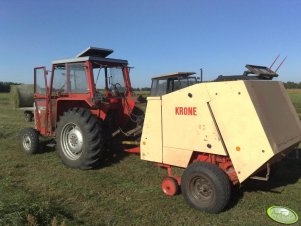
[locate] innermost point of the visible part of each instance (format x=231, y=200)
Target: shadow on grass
x=46, y=146
x=113, y=154
x=236, y=195
x=283, y=173
x=114, y=151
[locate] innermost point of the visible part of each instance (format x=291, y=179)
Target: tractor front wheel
x=29, y=139
x=206, y=187
x=79, y=139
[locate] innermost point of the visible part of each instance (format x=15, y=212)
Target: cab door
x=41, y=99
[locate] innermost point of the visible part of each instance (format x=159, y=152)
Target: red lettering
x=189, y=111
x=185, y=110
x=181, y=111
x=194, y=111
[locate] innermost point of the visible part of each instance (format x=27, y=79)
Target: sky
x=156, y=36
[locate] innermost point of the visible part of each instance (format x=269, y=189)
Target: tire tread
x=93, y=138
x=220, y=180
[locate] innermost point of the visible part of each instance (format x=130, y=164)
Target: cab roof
x=92, y=54
x=174, y=75
x=94, y=51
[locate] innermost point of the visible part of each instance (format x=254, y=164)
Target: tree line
x=5, y=86
x=142, y=89
x=292, y=85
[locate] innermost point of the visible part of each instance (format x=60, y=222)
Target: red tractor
x=69, y=107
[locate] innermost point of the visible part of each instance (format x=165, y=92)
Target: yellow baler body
x=249, y=121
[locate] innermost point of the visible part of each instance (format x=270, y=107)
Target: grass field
x=39, y=190
x=295, y=95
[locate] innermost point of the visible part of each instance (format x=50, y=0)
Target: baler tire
x=79, y=139
x=170, y=186
x=206, y=187
x=29, y=140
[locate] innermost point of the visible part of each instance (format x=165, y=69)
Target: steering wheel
x=115, y=87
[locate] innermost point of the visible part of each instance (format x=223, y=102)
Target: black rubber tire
x=28, y=116
x=206, y=187
x=92, y=139
x=29, y=140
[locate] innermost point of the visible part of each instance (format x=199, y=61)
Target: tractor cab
x=171, y=82
x=74, y=84
x=80, y=75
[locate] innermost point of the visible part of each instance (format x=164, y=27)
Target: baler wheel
x=170, y=186
x=79, y=139
x=206, y=187
x=29, y=139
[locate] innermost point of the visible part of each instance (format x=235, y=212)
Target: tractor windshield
x=167, y=85
x=109, y=78
x=116, y=79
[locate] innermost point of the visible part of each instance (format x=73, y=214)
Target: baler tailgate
x=256, y=120
x=276, y=113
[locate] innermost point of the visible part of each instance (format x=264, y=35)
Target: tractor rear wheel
x=29, y=139
x=79, y=139
x=206, y=187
